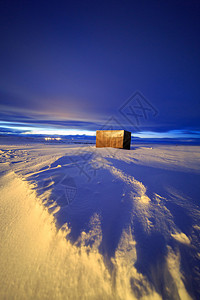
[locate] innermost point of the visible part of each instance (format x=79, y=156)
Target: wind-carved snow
x=181, y=237
x=129, y=229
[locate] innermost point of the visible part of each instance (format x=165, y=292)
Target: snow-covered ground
x=78, y=222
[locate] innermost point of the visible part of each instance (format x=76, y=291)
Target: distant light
x=52, y=139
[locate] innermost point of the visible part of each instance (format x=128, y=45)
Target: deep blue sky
x=73, y=64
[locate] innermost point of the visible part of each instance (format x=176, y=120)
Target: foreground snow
x=78, y=222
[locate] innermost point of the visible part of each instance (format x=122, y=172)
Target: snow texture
x=78, y=222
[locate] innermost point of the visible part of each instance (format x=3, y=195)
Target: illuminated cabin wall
x=113, y=138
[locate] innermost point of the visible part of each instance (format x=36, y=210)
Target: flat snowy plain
x=78, y=222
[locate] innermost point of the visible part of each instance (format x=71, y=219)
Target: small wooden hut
x=113, y=138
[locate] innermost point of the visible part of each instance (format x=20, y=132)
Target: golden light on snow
x=38, y=262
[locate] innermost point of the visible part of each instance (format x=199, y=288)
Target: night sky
x=75, y=65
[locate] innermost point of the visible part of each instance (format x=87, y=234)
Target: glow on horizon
x=25, y=129
x=52, y=131
x=44, y=130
